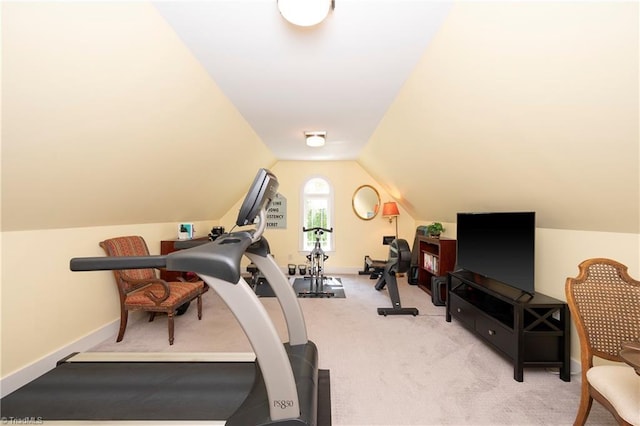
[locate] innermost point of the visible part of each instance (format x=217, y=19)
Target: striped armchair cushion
x=179, y=291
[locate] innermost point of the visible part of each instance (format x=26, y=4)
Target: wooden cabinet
x=532, y=331
x=436, y=257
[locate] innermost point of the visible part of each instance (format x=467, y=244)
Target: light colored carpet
x=396, y=370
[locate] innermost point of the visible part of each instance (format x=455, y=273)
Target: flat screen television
x=499, y=246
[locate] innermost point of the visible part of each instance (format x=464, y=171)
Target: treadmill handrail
x=103, y=263
x=219, y=258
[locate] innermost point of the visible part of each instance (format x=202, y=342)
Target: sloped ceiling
x=339, y=76
x=452, y=106
x=520, y=106
x=477, y=106
x=108, y=119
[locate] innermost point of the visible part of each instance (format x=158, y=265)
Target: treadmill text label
x=283, y=403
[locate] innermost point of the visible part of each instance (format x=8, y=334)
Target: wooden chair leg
x=124, y=315
x=586, y=401
x=170, y=315
x=200, y=307
x=152, y=315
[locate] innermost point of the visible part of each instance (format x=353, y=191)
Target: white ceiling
x=339, y=76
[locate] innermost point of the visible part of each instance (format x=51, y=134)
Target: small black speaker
x=439, y=290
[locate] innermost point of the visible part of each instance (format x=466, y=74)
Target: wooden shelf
x=436, y=257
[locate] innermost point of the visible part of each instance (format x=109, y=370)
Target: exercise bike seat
x=324, y=258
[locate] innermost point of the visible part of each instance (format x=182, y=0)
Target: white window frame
x=329, y=244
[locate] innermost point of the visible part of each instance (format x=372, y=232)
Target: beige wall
x=45, y=306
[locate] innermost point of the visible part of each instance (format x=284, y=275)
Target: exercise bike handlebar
x=316, y=229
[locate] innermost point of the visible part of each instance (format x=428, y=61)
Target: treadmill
x=277, y=384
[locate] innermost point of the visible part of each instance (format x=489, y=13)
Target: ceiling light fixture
x=315, y=139
x=305, y=13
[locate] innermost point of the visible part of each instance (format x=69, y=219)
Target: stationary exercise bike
x=316, y=260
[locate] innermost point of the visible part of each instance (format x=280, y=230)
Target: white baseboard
x=19, y=378
x=576, y=366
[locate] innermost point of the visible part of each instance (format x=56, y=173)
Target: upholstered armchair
x=141, y=289
x=605, y=306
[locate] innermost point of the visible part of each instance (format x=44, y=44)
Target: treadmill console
x=262, y=191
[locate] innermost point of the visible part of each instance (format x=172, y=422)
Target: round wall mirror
x=366, y=202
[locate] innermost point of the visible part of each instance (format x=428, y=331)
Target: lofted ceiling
x=450, y=106
x=339, y=76
x=388, y=79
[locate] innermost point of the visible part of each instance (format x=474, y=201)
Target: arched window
x=317, y=211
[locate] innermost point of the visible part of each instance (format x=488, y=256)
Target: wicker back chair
x=141, y=289
x=605, y=306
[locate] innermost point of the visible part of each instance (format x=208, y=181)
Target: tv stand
x=532, y=333
x=524, y=293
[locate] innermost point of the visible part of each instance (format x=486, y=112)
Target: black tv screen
x=500, y=246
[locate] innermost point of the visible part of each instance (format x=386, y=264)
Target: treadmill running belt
x=143, y=391
x=133, y=391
